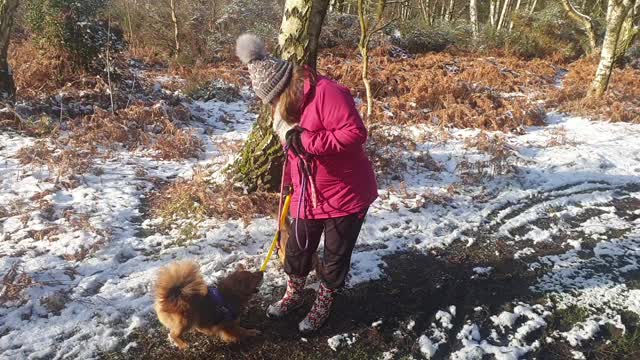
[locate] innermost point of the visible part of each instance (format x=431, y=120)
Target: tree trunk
x=367, y=83
x=319, y=10
x=260, y=163
x=363, y=46
x=617, y=12
x=532, y=9
x=425, y=6
x=450, y=10
x=584, y=22
x=176, y=31
x=302, y=20
x=628, y=33
x=407, y=10
x=515, y=11
x=503, y=15
x=127, y=9
x=368, y=27
x=7, y=10
x=493, y=11
x=610, y=6
x=337, y=6
x=473, y=16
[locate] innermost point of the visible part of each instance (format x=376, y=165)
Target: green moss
x=565, y=319
x=626, y=346
x=260, y=163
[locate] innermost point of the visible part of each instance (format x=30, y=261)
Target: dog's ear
x=240, y=267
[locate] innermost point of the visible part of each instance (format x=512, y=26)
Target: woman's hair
x=290, y=102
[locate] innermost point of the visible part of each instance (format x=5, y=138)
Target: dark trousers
x=340, y=235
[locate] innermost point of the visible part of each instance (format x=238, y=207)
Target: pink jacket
x=334, y=136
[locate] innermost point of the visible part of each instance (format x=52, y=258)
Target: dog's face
x=243, y=283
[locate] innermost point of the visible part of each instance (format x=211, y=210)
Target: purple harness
x=230, y=312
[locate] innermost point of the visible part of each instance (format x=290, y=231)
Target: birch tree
x=176, y=30
x=425, y=8
x=260, y=163
x=450, y=10
x=503, y=14
x=617, y=12
x=337, y=6
x=473, y=17
x=7, y=11
x=493, y=11
x=369, y=26
x=584, y=22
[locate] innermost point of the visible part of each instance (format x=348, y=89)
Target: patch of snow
x=588, y=329
x=578, y=355
x=523, y=253
x=538, y=235
x=535, y=315
x=474, y=347
x=429, y=344
x=483, y=270
x=445, y=319
x=341, y=341
x=427, y=347
x=389, y=355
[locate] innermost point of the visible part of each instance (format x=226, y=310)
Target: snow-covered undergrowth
x=78, y=263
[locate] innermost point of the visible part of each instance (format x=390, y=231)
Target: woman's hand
x=294, y=140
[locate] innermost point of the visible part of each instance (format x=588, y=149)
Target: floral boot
x=291, y=300
x=319, y=312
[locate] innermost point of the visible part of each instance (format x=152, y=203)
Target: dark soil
x=422, y=284
x=415, y=288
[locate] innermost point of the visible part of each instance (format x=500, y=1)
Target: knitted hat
x=269, y=75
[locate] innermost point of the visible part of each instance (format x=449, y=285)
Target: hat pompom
x=249, y=47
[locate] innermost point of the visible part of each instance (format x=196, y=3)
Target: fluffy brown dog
x=284, y=238
x=183, y=302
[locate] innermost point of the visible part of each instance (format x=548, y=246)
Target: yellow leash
x=276, y=238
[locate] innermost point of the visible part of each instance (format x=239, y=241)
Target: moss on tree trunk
x=260, y=163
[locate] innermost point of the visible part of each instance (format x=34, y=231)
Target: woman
x=333, y=180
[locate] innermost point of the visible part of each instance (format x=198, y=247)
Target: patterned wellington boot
x=291, y=300
x=319, y=312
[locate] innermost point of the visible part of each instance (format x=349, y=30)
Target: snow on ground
x=87, y=287
x=341, y=341
x=437, y=334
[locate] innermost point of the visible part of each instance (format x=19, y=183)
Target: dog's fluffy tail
x=177, y=284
